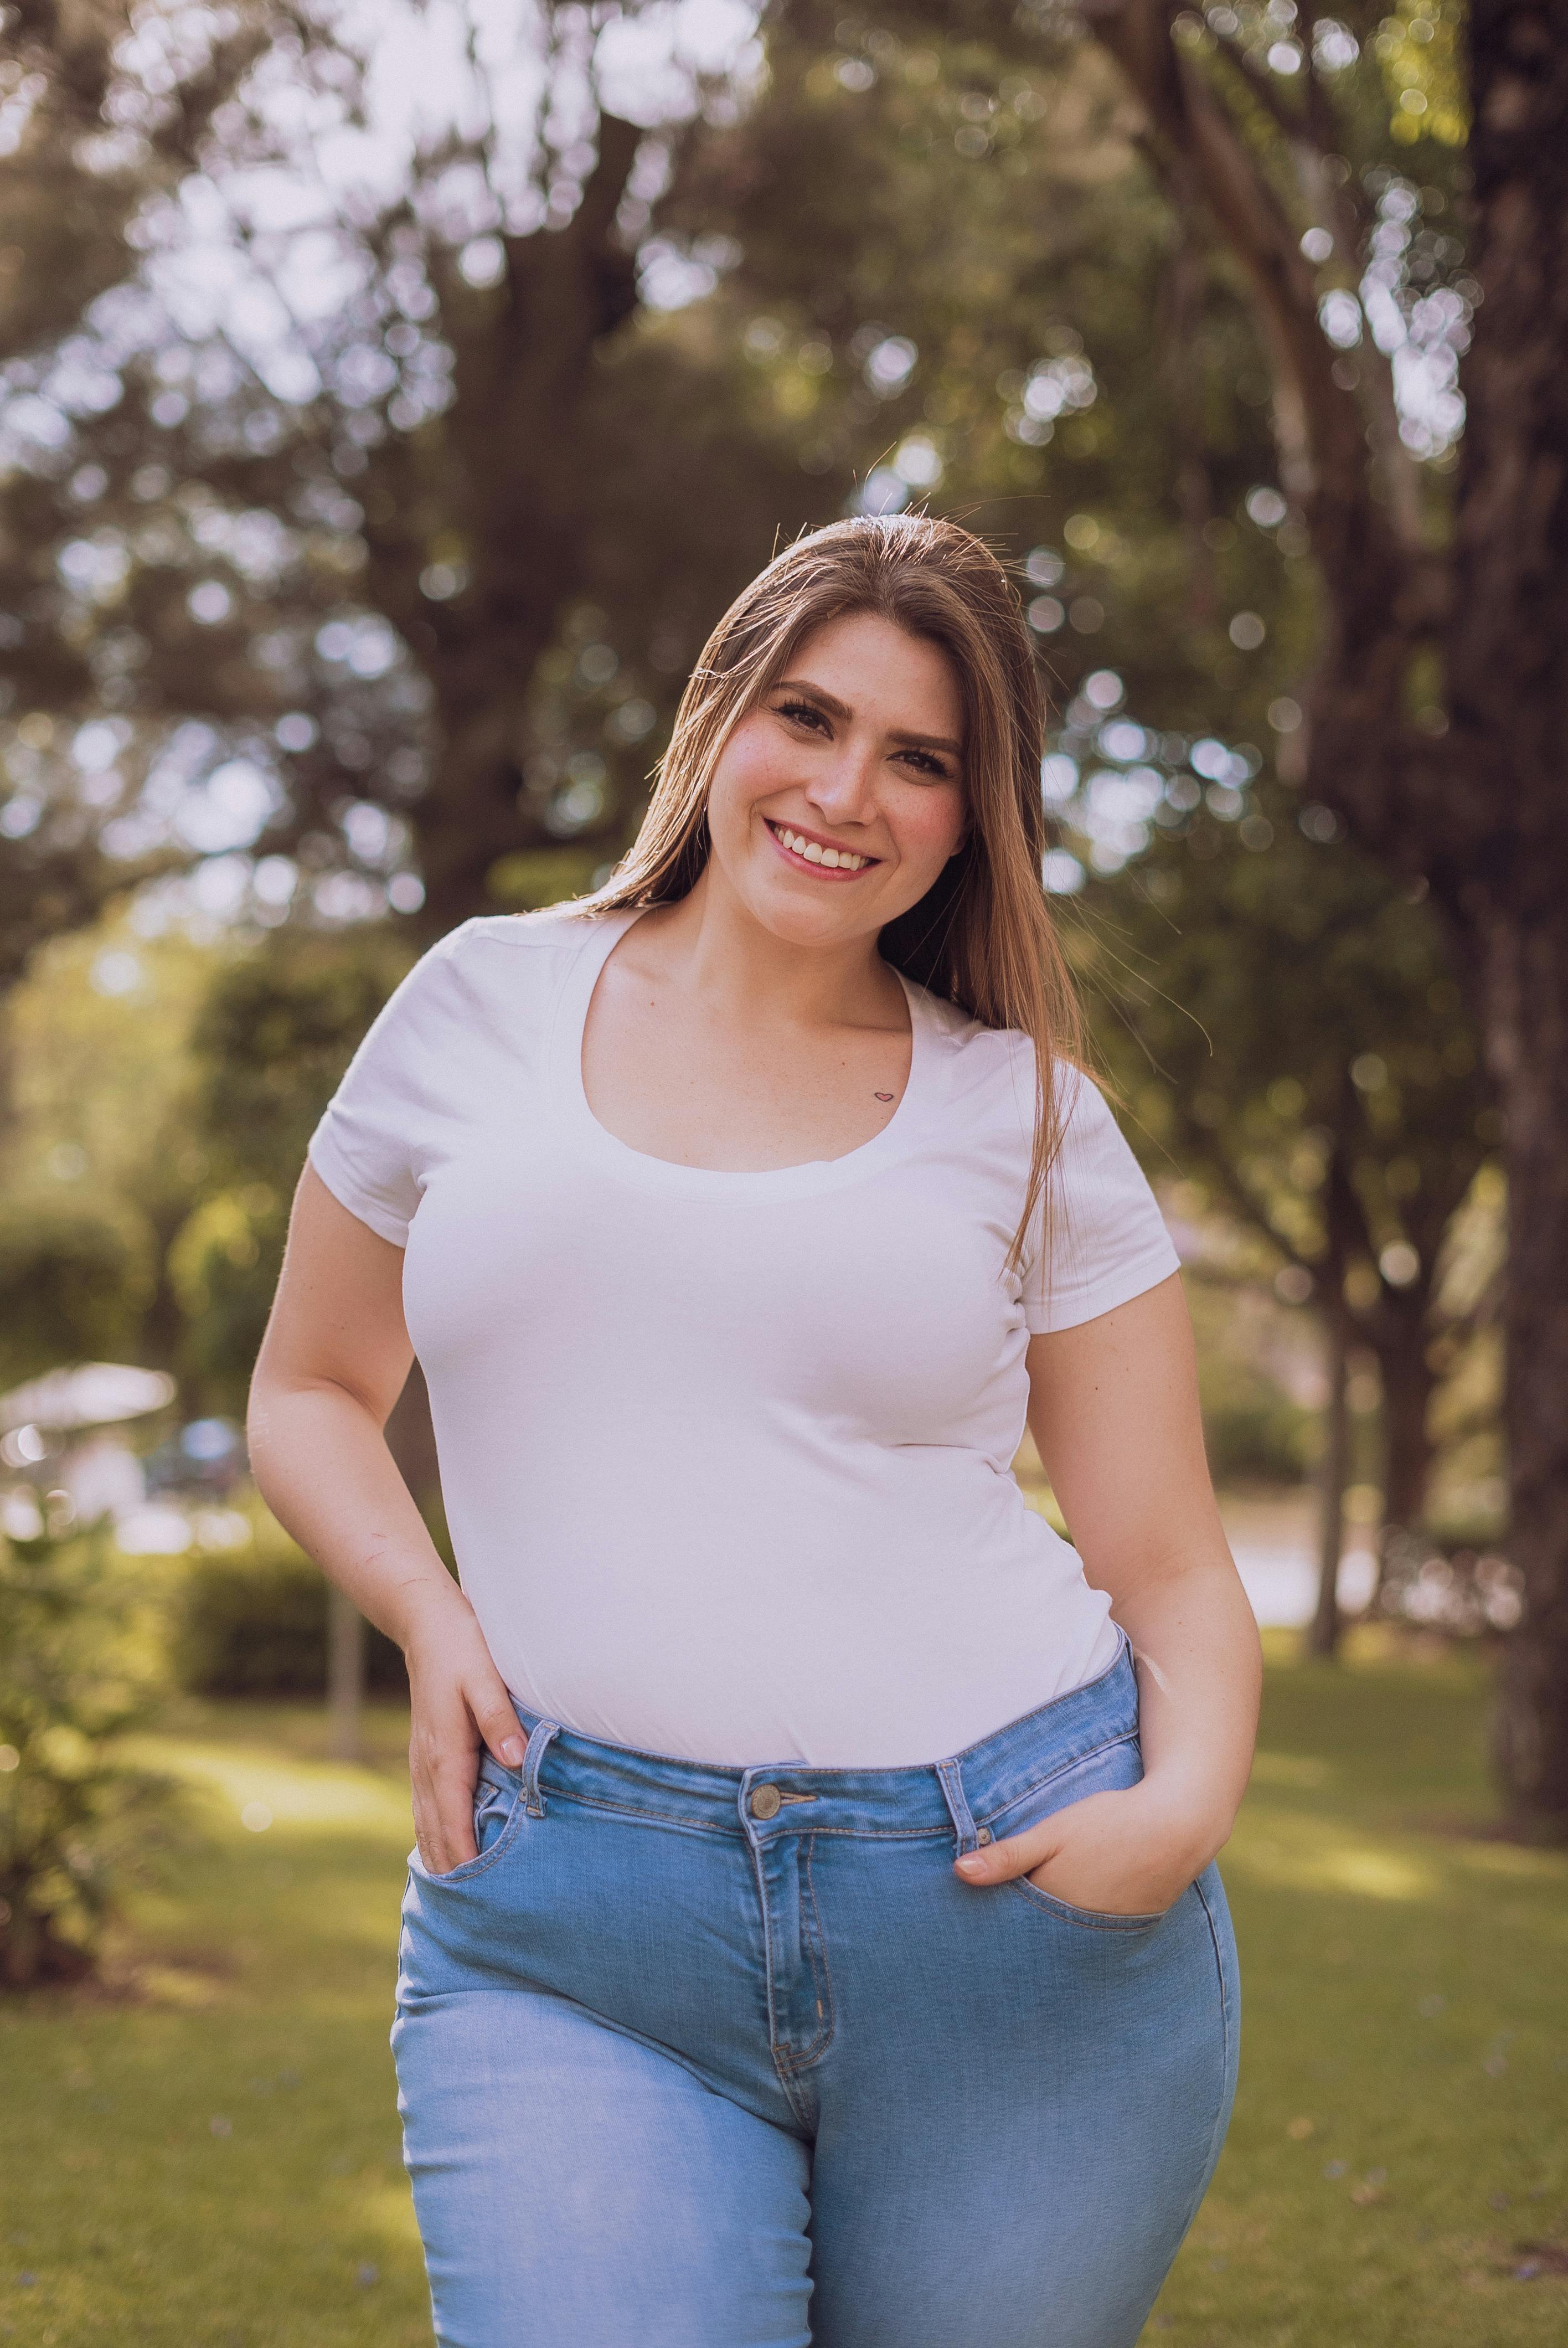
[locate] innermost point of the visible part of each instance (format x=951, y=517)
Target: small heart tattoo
x=882, y=1095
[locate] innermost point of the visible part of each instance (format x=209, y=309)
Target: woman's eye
x=925, y=764
x=803, y=712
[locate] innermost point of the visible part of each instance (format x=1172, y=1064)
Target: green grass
x=1406, y=2013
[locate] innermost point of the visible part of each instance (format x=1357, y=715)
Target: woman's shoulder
x=556, y=931
x=504, y=951
x=1003, y=1061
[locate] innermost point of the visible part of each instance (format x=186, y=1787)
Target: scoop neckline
x=666, y=1174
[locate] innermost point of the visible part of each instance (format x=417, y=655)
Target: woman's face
x=838, y=800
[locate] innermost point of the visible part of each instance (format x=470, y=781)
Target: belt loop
x=539, y=1737
x=951, y=1780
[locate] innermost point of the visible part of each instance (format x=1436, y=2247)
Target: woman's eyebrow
x=836, y=708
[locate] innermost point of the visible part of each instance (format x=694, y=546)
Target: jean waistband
x=962, y=1793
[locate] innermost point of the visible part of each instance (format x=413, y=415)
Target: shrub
x=79, y=1664
x=256, y=1625
x=74, y=1285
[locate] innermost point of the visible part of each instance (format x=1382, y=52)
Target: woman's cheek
x=928, y=835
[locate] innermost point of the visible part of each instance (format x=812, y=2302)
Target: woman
x=813, y=1932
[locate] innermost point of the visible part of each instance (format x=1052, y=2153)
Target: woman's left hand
x=1119, y=1854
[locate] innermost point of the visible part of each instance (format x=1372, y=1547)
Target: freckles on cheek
x=749, y=769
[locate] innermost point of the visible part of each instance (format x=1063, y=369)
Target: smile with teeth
x=811, y=851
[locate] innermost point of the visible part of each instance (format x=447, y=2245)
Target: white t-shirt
x=727, y=1458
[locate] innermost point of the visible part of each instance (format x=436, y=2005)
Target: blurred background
x=392, y=395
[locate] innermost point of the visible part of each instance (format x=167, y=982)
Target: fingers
x=498, y=1724
x=450, y=1726
x=998, y=1862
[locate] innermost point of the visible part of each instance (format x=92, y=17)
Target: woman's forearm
x=1195, y=1644
x=321, y=1462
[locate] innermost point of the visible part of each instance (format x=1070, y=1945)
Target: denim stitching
x=867, y=1833
x=823, y=2039
x=1216, y=2136
x=1124, y=1736
x=736, y=1834
x=1088, y=1920
x=467, y=1868
x=781, y=2070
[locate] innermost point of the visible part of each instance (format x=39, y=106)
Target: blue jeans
x=704, y=2057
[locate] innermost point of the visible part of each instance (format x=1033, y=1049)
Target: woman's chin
x=813, y=913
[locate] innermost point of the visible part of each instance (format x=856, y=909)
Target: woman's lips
x=811, y=855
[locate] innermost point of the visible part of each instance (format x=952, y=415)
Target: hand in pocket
x=1113, y=1853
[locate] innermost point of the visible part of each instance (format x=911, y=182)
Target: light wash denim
x=705, y=2057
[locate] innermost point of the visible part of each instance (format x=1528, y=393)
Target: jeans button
x=983, y=1837
x=765, y=1801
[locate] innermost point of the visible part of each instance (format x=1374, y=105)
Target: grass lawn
x=208, y=2159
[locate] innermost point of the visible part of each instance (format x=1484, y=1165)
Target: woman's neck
x=711, y=944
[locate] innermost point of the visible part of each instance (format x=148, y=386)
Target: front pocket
x=498, y=1807
x=1092, y=1919
x=1112, y=1768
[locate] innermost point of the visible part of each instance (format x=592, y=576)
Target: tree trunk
x=1529, y=970
x=1406, y=1445
x=1507, y=659
x=1323, y=1638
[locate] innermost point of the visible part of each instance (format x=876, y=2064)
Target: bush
x=256, y=1625
x=79, y=1664
x=74, y=1286
x=223, y=1268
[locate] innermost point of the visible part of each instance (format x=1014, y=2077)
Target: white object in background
x=1282, y=1583
x=93, y=1394
x=104, y=1477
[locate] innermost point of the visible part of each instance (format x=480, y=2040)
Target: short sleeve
x=1106, y=1239
x=370, y=1148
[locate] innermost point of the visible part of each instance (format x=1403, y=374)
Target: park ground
x=204, y=2154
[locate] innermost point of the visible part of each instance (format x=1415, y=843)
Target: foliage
x=274, y=1035
x=1252, y=1432
x=254, y=1623
x=79, y=1666
x=73, y=1284
x=314, y=607
x=1287, y=1023
x=88, y=145
x=101, y=1086
x=223, y=1268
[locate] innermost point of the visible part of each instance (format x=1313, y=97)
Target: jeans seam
x=467, y=1869
x=781, y=2068
x=1088, y=1920
x=933, y=1833
x=1216, y=2135
x=823, y=2039
x=1123, y=1737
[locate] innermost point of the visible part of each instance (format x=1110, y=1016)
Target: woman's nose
x=844, y=787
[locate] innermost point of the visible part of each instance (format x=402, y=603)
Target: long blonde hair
x=982, y=935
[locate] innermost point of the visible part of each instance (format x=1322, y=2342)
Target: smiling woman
x=807, y=1879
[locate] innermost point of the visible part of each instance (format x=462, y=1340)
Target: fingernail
x=973, y=1866
x=512, y=1752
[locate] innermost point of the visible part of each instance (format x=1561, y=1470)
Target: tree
x=1468, y=619
x=77, y=1821
x=353, y=573
x=72, y=177
x=1286, y=1024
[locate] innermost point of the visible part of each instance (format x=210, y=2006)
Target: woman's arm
x=1114, y=1409
x=331, y=1364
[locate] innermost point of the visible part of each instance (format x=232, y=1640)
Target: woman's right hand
x=459, y=1704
